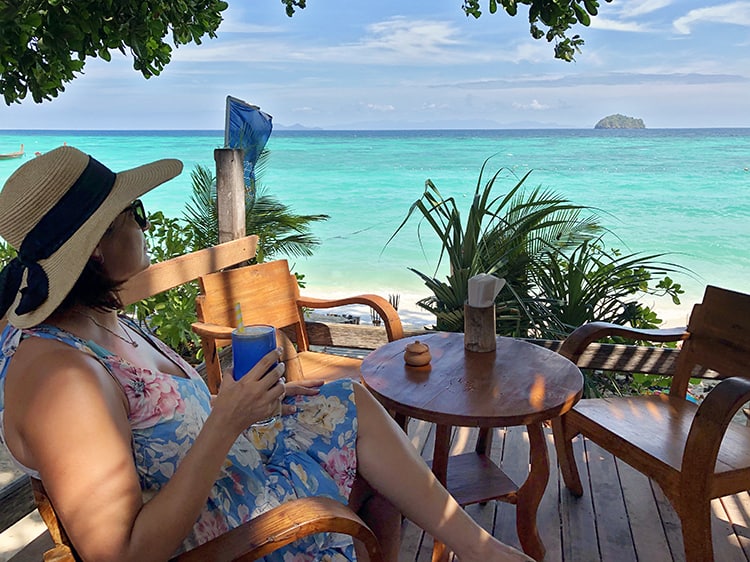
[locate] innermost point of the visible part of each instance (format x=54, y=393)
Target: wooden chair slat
x=183, y=269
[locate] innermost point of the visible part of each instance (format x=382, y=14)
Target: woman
x=138, y=459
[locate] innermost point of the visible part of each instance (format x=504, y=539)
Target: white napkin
x=483, y=289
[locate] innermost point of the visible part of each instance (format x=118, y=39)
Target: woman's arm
x=66, y=417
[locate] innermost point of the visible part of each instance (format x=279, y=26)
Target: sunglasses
x=139, y=213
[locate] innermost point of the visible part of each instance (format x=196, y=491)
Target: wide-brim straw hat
x=69, y=188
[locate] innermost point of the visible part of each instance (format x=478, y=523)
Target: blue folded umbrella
x=248, y=128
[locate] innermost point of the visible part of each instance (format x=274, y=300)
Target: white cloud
x=394, y=42
x=635, y=8
x=405, y=36
x=532, y=51
x=535, y=105
x=379, y=107
x=600, y=22
x=431, y=106
x=737, y=13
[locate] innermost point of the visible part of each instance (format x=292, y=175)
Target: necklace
x=127, y=339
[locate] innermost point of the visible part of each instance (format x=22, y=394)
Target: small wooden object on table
x=517, y=384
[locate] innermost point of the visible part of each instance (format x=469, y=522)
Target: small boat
x=12, y=154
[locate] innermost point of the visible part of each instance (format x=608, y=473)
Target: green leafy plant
x=7, y=253
x=552, y=255
x=502, y=235
x=171, y=313
x=279, y=229
x=591, y=284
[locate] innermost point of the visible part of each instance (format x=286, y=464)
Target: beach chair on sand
x=269, y=294
x=695, y=453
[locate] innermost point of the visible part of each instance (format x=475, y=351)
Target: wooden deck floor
x=621, y=517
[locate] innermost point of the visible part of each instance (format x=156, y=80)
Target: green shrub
x=170, y=314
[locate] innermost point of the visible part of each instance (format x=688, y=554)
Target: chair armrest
x=575, y=344
x=708, y=428
x=212, y=331
x=390, y=317
x=283, y=525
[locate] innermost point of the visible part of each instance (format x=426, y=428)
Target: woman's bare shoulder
x=39, y=359
x=55, y=386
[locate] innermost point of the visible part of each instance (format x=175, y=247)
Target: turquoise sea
x=684, y=191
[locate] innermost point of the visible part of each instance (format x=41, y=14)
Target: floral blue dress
x=309, y=453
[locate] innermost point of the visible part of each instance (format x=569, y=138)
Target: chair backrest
x=719, y=339
x=267, y=293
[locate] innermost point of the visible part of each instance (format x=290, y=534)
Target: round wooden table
x=517, y=384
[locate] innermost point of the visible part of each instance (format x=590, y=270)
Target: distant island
x=295, y=127
x=618, y=121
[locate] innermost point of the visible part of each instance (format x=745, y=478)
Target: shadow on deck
x=621, y=517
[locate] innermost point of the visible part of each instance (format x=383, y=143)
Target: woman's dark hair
x=93, y=289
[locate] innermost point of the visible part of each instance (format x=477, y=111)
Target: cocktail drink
x=249, y=345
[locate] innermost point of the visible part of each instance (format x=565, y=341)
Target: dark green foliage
x=45, y=44
x=548, y=19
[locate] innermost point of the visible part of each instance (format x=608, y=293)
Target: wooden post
x=230, y=193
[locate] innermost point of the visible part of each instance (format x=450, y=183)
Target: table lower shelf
x=474, y=478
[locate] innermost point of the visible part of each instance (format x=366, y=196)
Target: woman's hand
x=300, y=388
x=256, y=396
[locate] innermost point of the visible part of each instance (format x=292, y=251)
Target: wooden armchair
x=271, y=530
x=255, y=539
x=269, y=294
x=695, y=453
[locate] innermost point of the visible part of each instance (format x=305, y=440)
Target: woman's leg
x=391, y=465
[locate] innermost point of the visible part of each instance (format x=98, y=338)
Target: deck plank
x=613, y=529
x=670, y=523
x=726, y=543
x=738, y=510
x=579, y=534
x=648, y=538
x=548, y=518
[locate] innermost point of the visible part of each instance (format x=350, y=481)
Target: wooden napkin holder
x=479, y=328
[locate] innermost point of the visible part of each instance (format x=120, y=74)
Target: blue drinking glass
x=249, y=345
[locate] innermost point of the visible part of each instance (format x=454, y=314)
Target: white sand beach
x=412, y=315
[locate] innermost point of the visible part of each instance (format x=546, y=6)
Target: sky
x=390, y=64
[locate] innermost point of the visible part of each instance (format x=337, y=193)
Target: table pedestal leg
x=531, y=493
x=440, y=469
